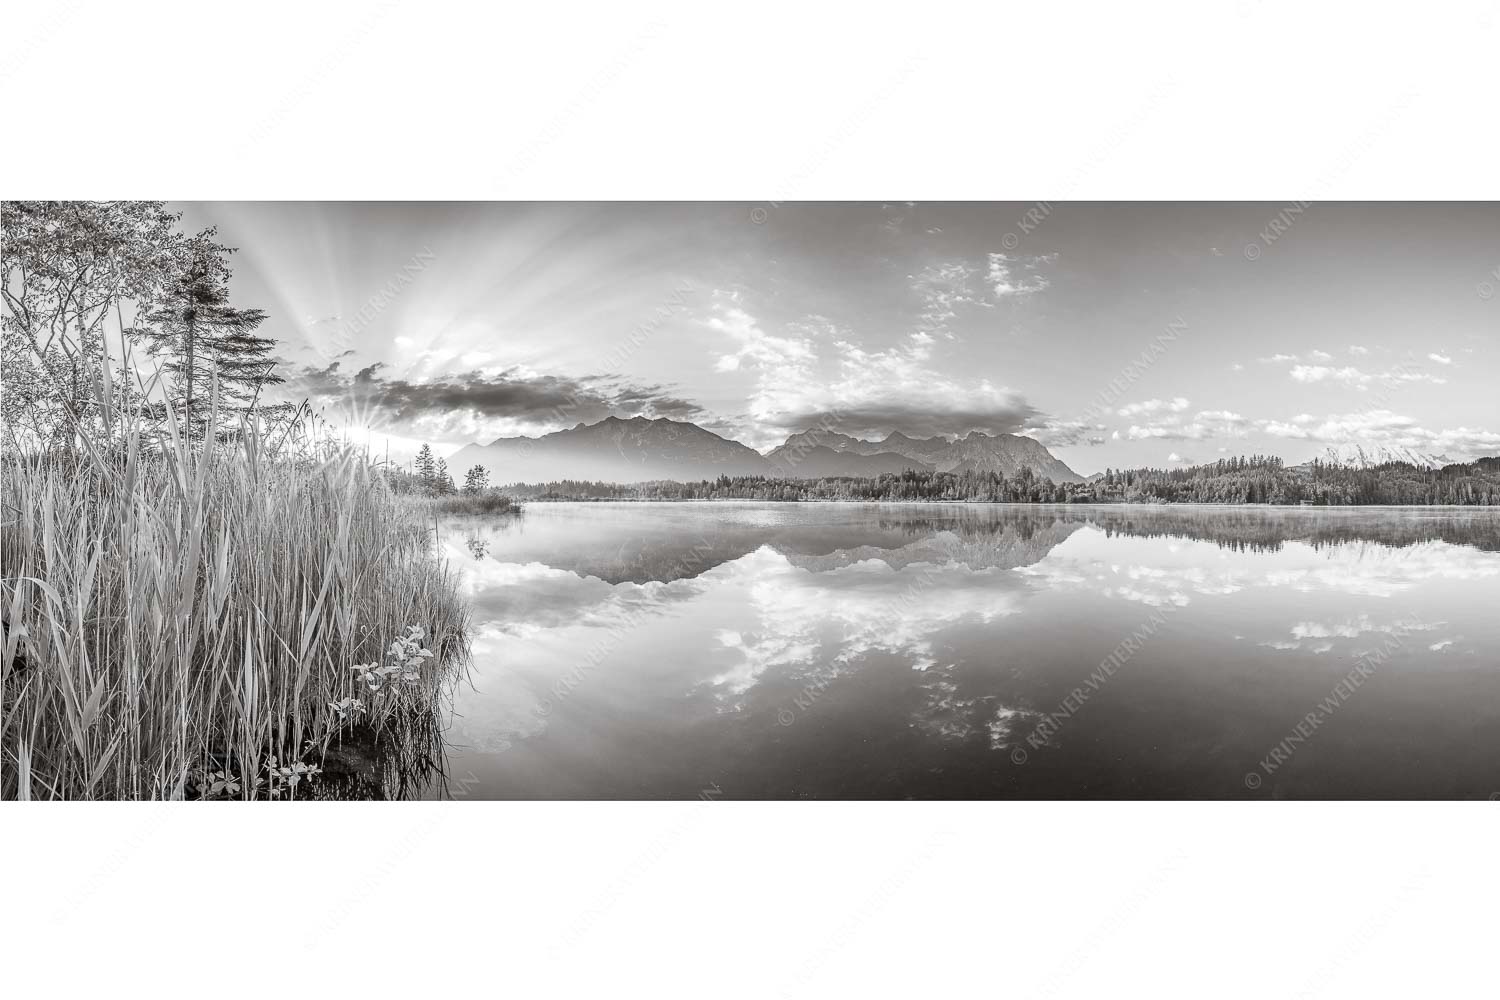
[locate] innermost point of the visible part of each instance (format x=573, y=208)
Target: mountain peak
x=615, y=449
x=1353, y=455
x=1007, y=454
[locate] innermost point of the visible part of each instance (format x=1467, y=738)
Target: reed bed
x=187, y=619
x=488, y=502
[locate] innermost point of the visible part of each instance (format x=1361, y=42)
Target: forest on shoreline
x=1245, y=480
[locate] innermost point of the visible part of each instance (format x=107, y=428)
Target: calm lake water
x=843, y=651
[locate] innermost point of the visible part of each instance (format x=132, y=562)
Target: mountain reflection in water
x=643, y=650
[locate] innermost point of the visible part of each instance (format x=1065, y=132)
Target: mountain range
x=815, y=454
x=1358, y=456
x=614, y=451
x=640, y=448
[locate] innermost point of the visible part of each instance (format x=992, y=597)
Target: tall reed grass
x=187, y=618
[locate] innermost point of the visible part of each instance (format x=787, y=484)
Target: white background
x=1248, y=100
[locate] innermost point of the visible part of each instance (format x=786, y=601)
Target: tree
x=208, y=342
x=68, y=270
x=476, y=480
x=441, y=481
x=426, y=467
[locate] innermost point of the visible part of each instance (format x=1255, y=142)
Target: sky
x=1118, y=334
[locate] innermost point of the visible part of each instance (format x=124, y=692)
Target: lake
x=847, y=651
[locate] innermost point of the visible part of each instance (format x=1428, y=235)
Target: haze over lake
x=748, y=650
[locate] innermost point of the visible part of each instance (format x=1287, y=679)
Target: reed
x=204, y=618
x=489, y=502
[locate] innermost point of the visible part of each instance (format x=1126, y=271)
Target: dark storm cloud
x=540, y=400
x=652, y=400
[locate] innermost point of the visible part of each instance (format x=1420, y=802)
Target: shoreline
x=1012, y=503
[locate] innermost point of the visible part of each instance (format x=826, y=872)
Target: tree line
x=429, y=476
x=1257, y=479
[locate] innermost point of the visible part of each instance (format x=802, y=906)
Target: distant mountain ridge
x=1006, y=454
x=1368, y=456
x=820, y=461
x=614, y=450
x=640, y=449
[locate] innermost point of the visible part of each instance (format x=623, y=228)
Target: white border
x=765, y=102
x=385, y=99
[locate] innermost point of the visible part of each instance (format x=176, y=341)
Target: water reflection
x=831, y=650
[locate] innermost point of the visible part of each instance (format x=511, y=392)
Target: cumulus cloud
x=1388, y=428
x=1154, y=406
x=1358, y=350
x=466, y=405
x=1320, y=373
x=1358, y=379
x=1441, y=359
x=829, y=381
x=1202, y=425
x=756, y=346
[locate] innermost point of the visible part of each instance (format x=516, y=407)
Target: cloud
x=1278, y=359
x=943, y=289
x=1320, y=373
x=1203, y=425
x=1177, y=459
x=1320, y=356
x=1358, y=351
x=1354, y=628
x=1355, y=378
x=1065, y=433
x=1368, y=425
x=1014, y=275
x=1441, y=359
x=473, y=404
x=830, y=381
x=992, y=413
x=1154, y=406
x=1385, y=427
x=755, y=345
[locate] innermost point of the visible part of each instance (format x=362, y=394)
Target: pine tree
x=67, y=269
x=476, y=480
x=442, y=482
x=208, y=341
x=426, y=469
